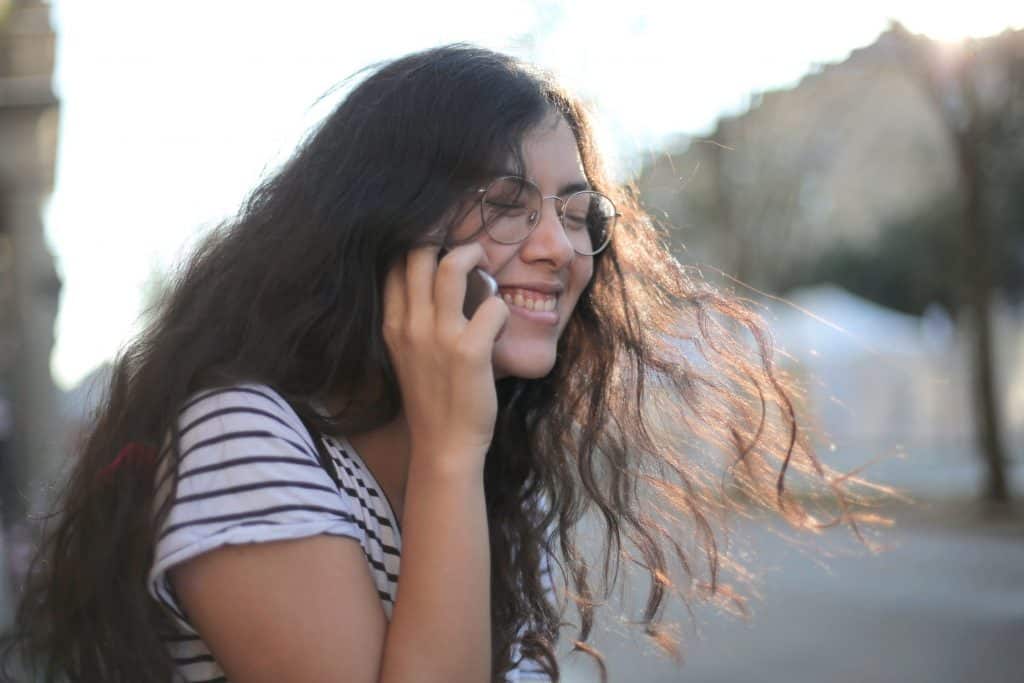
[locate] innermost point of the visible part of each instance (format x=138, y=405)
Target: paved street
x=945, y=605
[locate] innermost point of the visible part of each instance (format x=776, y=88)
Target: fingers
x=420, y=272
x=423, y=297
x=450, y=283
x=487, y=324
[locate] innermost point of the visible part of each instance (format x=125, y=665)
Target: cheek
x=582, y=272
x=467, y=225
x=579, y=277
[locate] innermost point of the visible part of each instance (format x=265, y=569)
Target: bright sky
x=170, y=111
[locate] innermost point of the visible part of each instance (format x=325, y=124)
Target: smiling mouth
x=529, y=299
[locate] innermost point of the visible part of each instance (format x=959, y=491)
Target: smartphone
x=479, y=286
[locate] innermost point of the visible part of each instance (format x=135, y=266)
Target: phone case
x=479, y=286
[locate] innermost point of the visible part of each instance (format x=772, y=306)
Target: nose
x=548, y=240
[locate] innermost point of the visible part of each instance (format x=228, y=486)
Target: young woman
x=311, y=404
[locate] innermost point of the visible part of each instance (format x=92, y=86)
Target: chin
x=531, y=361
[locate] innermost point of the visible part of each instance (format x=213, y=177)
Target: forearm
x=441, y=623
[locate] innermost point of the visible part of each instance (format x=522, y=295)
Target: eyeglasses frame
x=559, y=211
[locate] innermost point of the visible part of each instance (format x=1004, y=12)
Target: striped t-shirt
x=249, y=473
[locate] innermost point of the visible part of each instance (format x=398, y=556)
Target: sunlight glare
x=952, y=22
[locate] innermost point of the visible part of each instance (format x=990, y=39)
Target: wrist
x=447, y=461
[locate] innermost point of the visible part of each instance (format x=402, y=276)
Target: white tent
x=887, y=385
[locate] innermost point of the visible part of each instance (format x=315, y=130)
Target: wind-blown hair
x=654, y=372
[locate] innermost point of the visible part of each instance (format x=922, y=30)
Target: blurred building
x=848, y=160
x=853, y=148
x=29, y=285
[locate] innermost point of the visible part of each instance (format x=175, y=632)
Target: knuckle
x=447, y=266
x=415, y=321
x=466, y=349
x=418, y=332
x=391, y=330
x=448, y=339
x=412, y=336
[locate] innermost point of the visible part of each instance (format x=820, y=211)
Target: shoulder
x=238, y=412
x=245, y=471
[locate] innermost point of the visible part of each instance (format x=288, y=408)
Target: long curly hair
x=663, y=399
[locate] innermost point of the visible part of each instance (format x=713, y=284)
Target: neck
x=385, y=450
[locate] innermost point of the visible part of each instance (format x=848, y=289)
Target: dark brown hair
x=661, y=385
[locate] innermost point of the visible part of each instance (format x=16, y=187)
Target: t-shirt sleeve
x=248, y=473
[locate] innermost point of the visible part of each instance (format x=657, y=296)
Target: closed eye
x=574, y=221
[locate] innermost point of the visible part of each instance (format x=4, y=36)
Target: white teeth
x=546, y=303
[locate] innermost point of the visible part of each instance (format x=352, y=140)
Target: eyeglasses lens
x=512, y=206
x=588, y=218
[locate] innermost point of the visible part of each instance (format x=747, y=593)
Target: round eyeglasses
x=510, y=209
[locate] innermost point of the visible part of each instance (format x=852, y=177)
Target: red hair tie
x=133, y=453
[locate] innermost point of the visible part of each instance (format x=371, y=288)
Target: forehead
x=551, y=155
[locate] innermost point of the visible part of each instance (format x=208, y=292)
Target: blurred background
x=856, y=172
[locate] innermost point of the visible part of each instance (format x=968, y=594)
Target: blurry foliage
x=912, y=264
x=918, y=260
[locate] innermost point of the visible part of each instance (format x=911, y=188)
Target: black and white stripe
x=249, y=473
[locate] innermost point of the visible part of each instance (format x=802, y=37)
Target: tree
x=973, y=121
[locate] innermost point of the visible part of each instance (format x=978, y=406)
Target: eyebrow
x=569, y=188
x=573, y=187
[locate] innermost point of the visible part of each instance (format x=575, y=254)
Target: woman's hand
x=442, y=361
